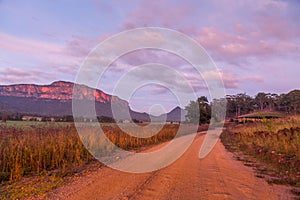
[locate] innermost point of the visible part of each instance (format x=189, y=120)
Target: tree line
x=199, y=111
x=11, y=116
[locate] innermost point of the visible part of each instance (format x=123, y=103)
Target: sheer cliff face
x=55, y=99
x=60, y=90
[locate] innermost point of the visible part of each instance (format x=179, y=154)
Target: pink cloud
x=64, y=58
x=16, y=75
x=79, y=46
x=72, y=50
x=232, y=81
x=28, y=46
x=158, y=13
x=235, y=48
x=276, y=27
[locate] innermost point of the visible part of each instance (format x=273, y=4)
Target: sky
x=255, y=45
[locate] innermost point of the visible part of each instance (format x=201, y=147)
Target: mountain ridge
x=55, y=99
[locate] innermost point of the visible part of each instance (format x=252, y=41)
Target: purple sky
x=256, y=46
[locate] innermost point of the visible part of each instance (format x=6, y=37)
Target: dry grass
x=273, y=125
x=40, y=148
x=274, y=142
x=35, y=157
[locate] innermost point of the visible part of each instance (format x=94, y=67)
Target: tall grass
x=274, y=142
x=280, y=135
x=126, y=141
x=40, y=148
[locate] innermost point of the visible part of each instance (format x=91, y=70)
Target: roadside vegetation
x=275, y=143
x=47, y=152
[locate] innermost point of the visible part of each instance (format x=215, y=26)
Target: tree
x=68, y=118
x=199, y=111
x=242, y=103
x=239, y=104
x=283, y=103
x=272, y=101
x=231, y=105
x=293, y=99
x=218, y=112
x=289, y=103
x=261, y=100
x=204, y=109
x=106, y=119
x=245, y=103
x=193, y=114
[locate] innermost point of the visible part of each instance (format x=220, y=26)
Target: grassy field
x=27, y=149
x=275, y=143
x=50, y=151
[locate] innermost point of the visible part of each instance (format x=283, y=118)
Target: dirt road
x=218, y=176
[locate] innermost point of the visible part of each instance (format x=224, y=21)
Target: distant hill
x=175, y=115
x=56, y=100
